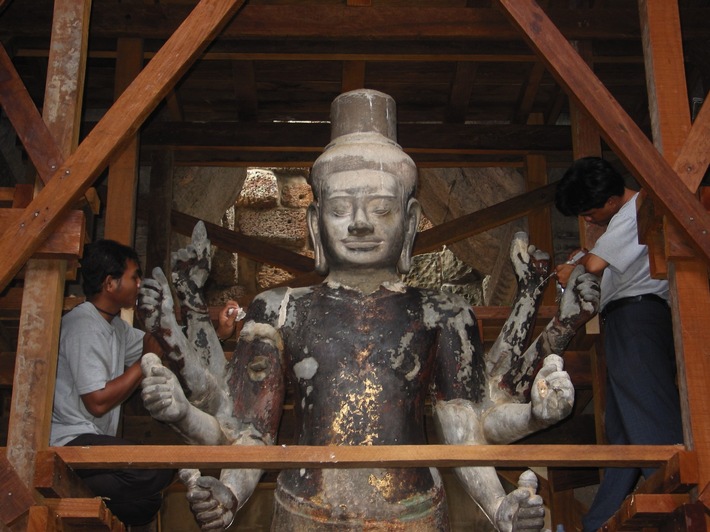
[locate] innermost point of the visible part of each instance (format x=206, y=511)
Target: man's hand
x=213, y=504
x=161, y=392
x=522, y=509
x=552, y=393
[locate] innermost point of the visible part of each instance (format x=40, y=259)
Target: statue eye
x=381, y=207
x=340, y=208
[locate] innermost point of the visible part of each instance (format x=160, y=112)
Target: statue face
x=362, y=220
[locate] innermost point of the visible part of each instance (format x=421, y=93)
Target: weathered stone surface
x=283, y=226
x=296, y=193
x=449, y=193
x=260, y=190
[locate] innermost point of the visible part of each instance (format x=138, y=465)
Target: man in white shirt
x=642, y=403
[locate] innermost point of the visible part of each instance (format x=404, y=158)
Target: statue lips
x=362, y=244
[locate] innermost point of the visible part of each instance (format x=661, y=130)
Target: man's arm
x=114, y=393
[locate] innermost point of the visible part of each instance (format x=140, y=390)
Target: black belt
x=616, y=304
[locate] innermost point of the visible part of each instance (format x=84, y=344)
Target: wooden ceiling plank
x=484, y=219
x=153, y=21
x=620, y=132
x=245, y=90
x=124, y=118
x=17, y=103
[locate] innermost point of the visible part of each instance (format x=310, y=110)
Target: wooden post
x=690, y=296
x=123, y=171
x=42, y=301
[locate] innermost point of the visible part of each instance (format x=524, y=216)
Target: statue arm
x=552, y=399
x=531, y=267
x=459, y=423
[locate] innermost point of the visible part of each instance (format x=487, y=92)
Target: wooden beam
x=67, y=240
x=17, y=498
x=641, y=511
x=690, y=295
x=42, y=297
x=333, y=21
x=84, y=514
x=124, y=118
x=17, y=103
x=514, y=139
x=617, y=128
x=484, y=219
x=347, y=456
x=253, y=248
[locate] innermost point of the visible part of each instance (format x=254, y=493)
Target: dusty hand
x=521, y=509
x=530, y=264
x=227, y=320
x=155, y=304
x=161, y=392
x=552, y=393
x=212, y=503
x=580, y=300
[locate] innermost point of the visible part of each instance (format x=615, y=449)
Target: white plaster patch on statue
x=396, y=286
x=284, y=307
x=253, y=331
x=306, y=368
x=415, y=371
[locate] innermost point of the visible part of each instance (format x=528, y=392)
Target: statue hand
x=213, y=504
x=580, y=300
x=155, y=303
x=161, y=392
x=552, y=393
x=191, y=267
x=530, y=264
x=522, y=509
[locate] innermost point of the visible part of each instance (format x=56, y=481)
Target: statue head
x=364, y=216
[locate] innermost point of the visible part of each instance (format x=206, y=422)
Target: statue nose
x=360, y=224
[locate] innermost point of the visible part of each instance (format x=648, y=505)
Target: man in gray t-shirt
x=98, y=368
x=642, y=403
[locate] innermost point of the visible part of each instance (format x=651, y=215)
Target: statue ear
x=414, y=211
x=312, y=218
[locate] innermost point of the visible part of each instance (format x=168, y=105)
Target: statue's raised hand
x=212, y=503
x=191, y=267
x=522, y=509
x=155, y=304
x=580, y=300
x=552, y=393
x=161, y=392
x=530, y=264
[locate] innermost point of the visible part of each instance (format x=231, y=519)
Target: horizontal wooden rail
x=298, y=456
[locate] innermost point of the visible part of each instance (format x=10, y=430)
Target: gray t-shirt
x=92, y=352
x=628, y=273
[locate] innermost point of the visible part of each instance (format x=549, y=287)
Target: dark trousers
x=642, y=402
x=133, y=495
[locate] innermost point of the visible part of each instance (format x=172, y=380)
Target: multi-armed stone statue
x=363, y=352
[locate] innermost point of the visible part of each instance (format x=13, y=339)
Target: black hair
x=101, y=259
x=587, y=184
